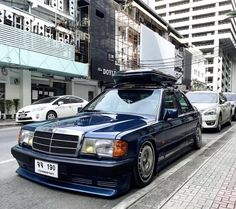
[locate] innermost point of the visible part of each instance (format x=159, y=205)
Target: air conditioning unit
x=72, y=7
x=60, y=5
x=60, y=36
x=9, y=15
x=27, y=24
x=48, y=32
x=54, y=4
x=41, y=28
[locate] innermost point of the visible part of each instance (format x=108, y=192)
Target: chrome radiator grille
x=55, y=143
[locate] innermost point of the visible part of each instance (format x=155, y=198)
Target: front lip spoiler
x=92, y=190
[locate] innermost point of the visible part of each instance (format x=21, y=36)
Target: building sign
x=102, y=43
x=103, y=71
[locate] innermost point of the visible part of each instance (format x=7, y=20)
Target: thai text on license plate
x=46, y=168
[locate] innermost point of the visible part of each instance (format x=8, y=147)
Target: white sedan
x=50, y=108
x=213, y=106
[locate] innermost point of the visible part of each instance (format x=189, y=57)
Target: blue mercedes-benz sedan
x=122, y=136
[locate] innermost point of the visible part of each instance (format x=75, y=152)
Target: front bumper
x=103, y=178
x=209, y=121
x=30, y=117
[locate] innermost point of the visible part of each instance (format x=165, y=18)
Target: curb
x=5, y=125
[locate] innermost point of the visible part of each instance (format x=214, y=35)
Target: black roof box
x=144, y=76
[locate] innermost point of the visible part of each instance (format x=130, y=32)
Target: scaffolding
x=127, y=39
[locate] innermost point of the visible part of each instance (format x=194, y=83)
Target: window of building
x=179, y=3
x=160, y=7
x=204, y=7
x=202, y=25
x=99, y=14
x=203, y=16
x=182, y=28
x=224, y=12
x=225, y=3
x=224, y=31
x=179, y=20
x=179, y=12
x=210, y=79
x=162, y=14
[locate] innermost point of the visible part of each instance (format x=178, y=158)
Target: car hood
x=32, y=107
x=96, y=125
x=204, y=106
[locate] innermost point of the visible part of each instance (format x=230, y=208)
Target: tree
x=9, y=104
x=16, y=103
x=231, y=14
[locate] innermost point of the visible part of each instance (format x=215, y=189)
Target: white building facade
x=38, y=44
x=204, y=24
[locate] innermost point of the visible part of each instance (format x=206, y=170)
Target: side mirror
x=170, y=113
x=60, y=103
x=222, y=101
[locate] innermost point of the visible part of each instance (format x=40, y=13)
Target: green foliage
x=16, y=103
x=231, y=14
x=9, y=104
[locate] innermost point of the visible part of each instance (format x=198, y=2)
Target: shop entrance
x=40, y=91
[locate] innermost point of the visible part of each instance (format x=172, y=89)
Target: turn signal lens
x=120, y=148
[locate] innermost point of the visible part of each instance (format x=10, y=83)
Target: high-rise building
x=205, y=25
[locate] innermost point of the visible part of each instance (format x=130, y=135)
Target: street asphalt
x=17, y=193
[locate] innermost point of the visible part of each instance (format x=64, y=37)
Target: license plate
x=46, y=168
x=22, y=116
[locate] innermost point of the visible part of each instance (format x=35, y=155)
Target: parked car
x=231, y=97
x=124, y=135
x=50, y=108
x=213, y=106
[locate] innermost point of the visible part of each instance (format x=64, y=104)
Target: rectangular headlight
x=104, y=147
x=25, y=137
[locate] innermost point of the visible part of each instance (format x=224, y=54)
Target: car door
x=63, y=107
x=188, y=116
x=77, y=104
x=171, y=135
x=227, y=107
x=224, y=108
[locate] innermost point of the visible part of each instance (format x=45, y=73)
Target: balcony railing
x=29, y=41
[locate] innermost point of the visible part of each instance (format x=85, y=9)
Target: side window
x=184, y=104
x=75, y=100
x=169, y=101
x=223, y=99
x=65, y=100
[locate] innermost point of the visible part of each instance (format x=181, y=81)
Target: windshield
x=127, y=101
x=230, y=97
x=202, y=97
x=46, y=100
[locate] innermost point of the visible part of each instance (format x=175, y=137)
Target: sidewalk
x=212, y=186
x=7, y=123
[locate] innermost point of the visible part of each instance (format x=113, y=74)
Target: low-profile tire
x=219, y=124
x=144, y=168
x=197, y=144
x=51, y=115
